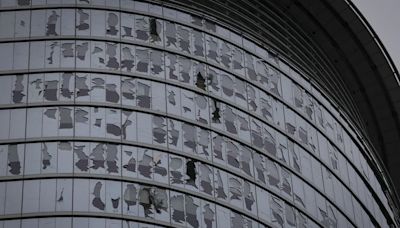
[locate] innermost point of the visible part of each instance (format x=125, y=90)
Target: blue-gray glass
x=131, y=114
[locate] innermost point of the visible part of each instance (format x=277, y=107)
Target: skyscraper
x=121, y=113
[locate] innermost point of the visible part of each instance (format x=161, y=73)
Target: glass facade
x=130, y=114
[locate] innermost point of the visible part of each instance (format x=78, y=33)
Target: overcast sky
x=384, y=17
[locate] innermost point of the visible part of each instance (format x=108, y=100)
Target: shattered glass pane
x=177, y=208
x=82, y=20
x=176, y=166
x=52, y=22
x=142, y=27
x=112, y=24
x=127, y=58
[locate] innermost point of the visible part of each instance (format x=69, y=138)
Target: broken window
x=98, y=54
x=226, y=54
x=64, y=195
x=153, y=201
x=208, y=214
x=282, y=148
x=198, y=40
x=277, y=211
x=112, y=55
x=128, y=58
x=218, y=148
x=49, y=157
x=65, y=157
x=143, y=94
x=269, y=136
x=253, y=99
x=143, y=59
x=203, y=143
x=19, y=89
x=172, y=66
x=188, y=105
x=246, y=160
x=160, y=167
x=112, y=158
x=174, y=134
x=112, y=28
x=142, y=27
x=81, y=152
x=189, y=137
x=159, y=130
x=67, y=85
x=243, y=123
x=127, y=24
x=113, y=123
x=220, y=183
x=233, y=154
x=170, y=34
x=191, y=207
x=183, y=34
x=82, y=54
x=298, y=192
x=216, y=114
x=129, y=156
x=286, y=182
x=35, y=88
x=191, y=174
x=15, y=156
x=294, y=155
x=185, y=70
x=145, y=163
x=235, y=191
x=259, y=168
x=176, y=169
x=238, y=61
x=200, y=77
x=51, y=87
x=83, y=21
x=174, y=100
x=249, y=197
x=53, y=23
x=230, y=119
x=290, y=215
x=157, y=63
x=266, y=107
x=66, y=120
x=156, y=31
x=52, y=54
x=67, y=58
x=82, y=127
x=228, y=87
x=205, y=175
x=113, y=197
x=112, y=88
x=128, y=126
x=177, y=208
x=274, y=178
x=212, y=48
x=128, y=91
x=130, y=199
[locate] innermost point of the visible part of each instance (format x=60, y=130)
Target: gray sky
x=384, y=17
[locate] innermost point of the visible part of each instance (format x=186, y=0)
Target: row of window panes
x=100, y=122
x=44, y=158
x=110, y=159
x=107, y=88
x=218, y=83
x=132, y=199
x=74, y=222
